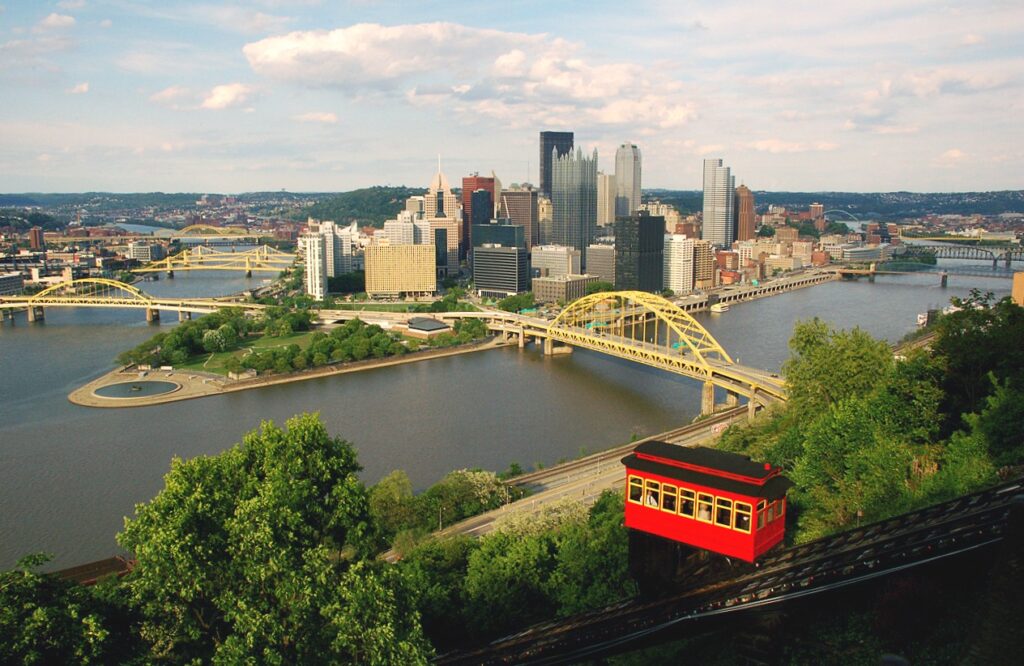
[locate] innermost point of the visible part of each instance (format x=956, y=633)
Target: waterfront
x=69, y=474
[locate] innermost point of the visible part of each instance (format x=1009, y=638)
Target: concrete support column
x=170, y=274
x=707, y=399
x=752, y=406
x=36, y=313
x=549, y=346
x=731, y=399
x=522, y=339
x=152, y=315
x=944, y=280
x=184, y=315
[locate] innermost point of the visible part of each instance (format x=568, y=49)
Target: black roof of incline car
x=731, y=463
x=427, y=324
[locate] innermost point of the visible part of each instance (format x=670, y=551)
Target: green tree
x=436, y=571
x=391, y=504
x=241, y=555
x=599, y=286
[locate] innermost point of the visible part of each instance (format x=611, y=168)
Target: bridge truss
x=994, y=254
x=263, y=258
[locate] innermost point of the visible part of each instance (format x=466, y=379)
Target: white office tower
x=338, y=243
x=401, y=231
x=439, y=201
x=627, y=180
x=678, y=273
x=316, y=265
x=719, y=191
x=605, y=199
x=555, y=260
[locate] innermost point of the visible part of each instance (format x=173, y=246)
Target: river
x=69, y=474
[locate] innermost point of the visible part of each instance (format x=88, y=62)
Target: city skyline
x=272, y=94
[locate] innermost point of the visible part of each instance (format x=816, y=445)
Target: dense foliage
x=370, y=205
x=21, y=220
x=347, y=283
x=517, y=303
x=865, y=436
x=599, y=286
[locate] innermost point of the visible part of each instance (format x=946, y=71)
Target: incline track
x=859, y=555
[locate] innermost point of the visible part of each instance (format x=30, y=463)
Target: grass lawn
x=205, y=363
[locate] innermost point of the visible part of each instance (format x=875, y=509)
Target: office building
x=35, y=239
x=315, y=278
x=564, y=289
x=574, y=201
x=544, y=232
x=719, y=188
x=639, y=252
x=555, y=261
x=703, y=264
x=145, y=252
x=678, y=274
x=338, y=247
x=499, y=231
x=605, y=199
x=744, y=211
x=601, y=262
x=400, y=231
x=470, y=185
x=11, y=283
x=559, y=142
x=415, y=204
x=500, y=271
x=439, y=201
x=817, y=211
x=444, y=235
x=627, y=180
x=400, y=270
x=521, y=208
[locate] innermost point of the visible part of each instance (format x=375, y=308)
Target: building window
x=668, y=498
x=636, y=489
x=723, y=512
x=760, y=514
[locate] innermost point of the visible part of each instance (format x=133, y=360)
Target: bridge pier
x=248, y=274
x=707, y=399
x=152, y=315
x=184, y=316
x=731, y=399
x=170, y=274
x=522, y=339
x=752, y=405
x=943, y=280
x=36, y=313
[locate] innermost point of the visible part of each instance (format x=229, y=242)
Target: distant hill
x=875, y=205
x=369, y=206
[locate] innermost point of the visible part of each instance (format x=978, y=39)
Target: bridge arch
x=948, y=251
x=847, y=213
x=94, y=289
x=208, y=230
x=617, y=313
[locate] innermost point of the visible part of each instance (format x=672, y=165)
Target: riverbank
x=196, y=384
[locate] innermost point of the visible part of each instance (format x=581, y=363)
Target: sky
x=309, y=95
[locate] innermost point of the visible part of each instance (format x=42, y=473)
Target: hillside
x=371, y=205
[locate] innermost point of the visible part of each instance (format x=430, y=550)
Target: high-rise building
x=555, y=261
x=744, y=210
x=444, y=234
x=146, y=252
x=35, y=238
x=439, y=200
x=605, y=199
x=562, y=142
x=471, y=184
x=817, y=211
x=639, y=252
x=500, y=271
x=316, y=265
x=338, y=247
x=499, y=231
x=544, y=223
x=703, y=264
x=520, y=206
x=481, y=209
x=627, y=180
x=402, y=230
x=574, y=201
x=601, y=262
x=565, y=289
x=719, y=186
x=394, y=270
x=678, y=264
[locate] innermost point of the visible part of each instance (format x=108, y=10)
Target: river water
x=69, y=474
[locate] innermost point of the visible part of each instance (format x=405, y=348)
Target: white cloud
x=780, y=146
x=326, y=118
x=227, y=96
x=533, y=78
x=971, y=39
x=71, y=4
x=106, y=23
x=950, y=158
x=44, y=157
x=238, y=19
x=171, y=96
x=54, y=22
x=79, y=89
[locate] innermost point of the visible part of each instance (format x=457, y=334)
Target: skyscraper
x=439, y=201
x=561, y=141
x=471, y=184
x=520, y=206
x=316, y=265
x=627, y=180
x=605, y=199
x=744, y=209
x=574, y=200
x=678, y=264
x=639, y=252
x=719, y=186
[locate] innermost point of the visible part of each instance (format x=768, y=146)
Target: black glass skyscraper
x=639, y=252
x=563, y=142
x=574, y=201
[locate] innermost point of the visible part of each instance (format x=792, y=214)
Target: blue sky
x=125, y=95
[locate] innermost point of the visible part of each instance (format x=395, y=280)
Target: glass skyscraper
x=574, y=200
x=563, y=142
x=719, y=193
x=627, y=180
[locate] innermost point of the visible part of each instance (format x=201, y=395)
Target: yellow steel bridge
x=262, y=258
x=104, y=293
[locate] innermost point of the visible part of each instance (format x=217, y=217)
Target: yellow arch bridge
x=262, y=258
x=647, y=329
x=103, y=293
